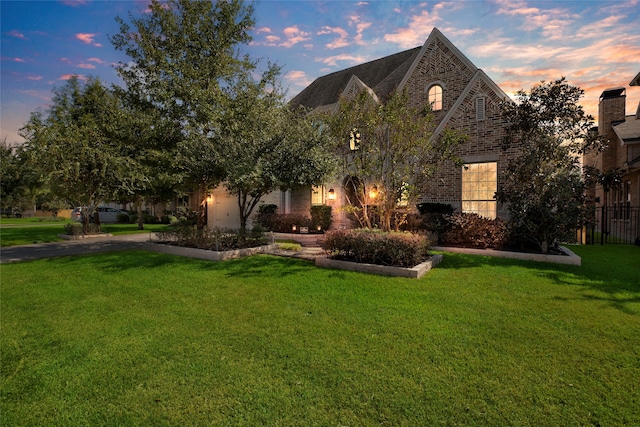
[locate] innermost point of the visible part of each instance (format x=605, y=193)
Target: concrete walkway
x=112, y=243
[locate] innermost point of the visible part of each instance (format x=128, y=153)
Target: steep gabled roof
x=635, y=81
x=382, y=75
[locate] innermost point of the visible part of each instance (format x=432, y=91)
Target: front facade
x=461, y=96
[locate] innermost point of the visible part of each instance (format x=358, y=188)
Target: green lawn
x=24, y=231
x=137, y=338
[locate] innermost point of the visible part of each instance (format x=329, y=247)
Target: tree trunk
x=201, y=219
x=140, y=217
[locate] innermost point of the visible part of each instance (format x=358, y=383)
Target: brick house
x=462, y=97
x=623, y=152
x=618, y=209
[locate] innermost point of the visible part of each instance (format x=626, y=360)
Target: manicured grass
x=24, y=231
x=137, y=338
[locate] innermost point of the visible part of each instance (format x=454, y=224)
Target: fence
x=615, y=224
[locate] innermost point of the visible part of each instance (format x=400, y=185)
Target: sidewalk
x=144, y=241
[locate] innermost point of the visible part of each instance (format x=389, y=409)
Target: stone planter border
x=205, y=253
x=570, y=258
x=382, y=270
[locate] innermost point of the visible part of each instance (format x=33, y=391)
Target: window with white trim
x=434, y=97
x=479, y=185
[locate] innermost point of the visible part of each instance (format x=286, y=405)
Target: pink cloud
x=298, y=78
x=34, y=78
x=263, y=30
x=416, y=33
x=88, y=38
x=74, y=3
x=332, y=61
x=97, y=61
x=341, y=41
x=87, y=66
x=294, y=35
x=6, y=58
x=17, y=34
x=69, y=76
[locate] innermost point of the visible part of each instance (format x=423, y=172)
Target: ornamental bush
x=215, y=239
x=376, y=247
x=470, y=230
x=320, y=217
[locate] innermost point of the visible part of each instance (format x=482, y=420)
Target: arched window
x=434, y=97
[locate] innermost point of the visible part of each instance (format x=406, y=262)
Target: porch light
x=294, y=228
x=319, y=228
x=332, y=194
x=209, y=198
x=373, y=193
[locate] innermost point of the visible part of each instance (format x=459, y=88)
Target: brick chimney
x=611, y=111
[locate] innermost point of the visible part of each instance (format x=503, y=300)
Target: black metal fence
x=615, y=224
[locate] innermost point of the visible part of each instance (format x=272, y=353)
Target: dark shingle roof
x=382, y=75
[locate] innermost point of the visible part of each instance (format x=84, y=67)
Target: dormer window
x=434, y=97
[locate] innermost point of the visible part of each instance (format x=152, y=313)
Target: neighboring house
x=462, y=97
x=623, y=152
x=622, y=131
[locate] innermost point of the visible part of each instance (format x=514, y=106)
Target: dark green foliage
x=283, y=223
x=122, y=218
x=267, y=209
x=440, y=208
x=470, y=230
x=377, y=247
x=544, y=187
x=215, y=239
x=320, y=217
x=396, y=155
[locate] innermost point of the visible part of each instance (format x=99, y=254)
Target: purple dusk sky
x=595, y=44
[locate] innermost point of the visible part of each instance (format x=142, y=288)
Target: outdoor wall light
x=294, y=228
x=209, y=198
x=332, y=194
x=373, y=193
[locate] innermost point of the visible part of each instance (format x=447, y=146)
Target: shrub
x=376, y=247
x=320, y=217
x=146, y=219
x=472, y=230
x=439, y=208
x=215, y=239
x=282, y=223
x=122, y=218
x=75, y=228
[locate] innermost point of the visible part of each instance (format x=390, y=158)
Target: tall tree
x=182, y=54
x=544, y=186
x=388, y=153
x=267, y=145
x=72, y=149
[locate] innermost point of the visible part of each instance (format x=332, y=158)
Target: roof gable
x=382, y=75
x=438, y=57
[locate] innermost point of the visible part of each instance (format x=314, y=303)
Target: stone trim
x=570, y=258
x=382, y=270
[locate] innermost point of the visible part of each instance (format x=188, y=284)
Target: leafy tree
x=12, y=178
x=544, y=186
x=71, y=148
x=182, y=54
x=267, y=146
x=390, y=155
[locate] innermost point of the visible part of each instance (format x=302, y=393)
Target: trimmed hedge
x=212, y=239
x=473, y=231
x=375, y=247
x=320, y=217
